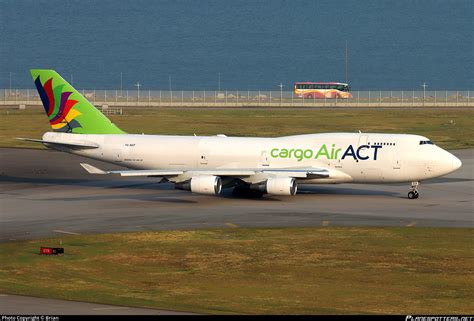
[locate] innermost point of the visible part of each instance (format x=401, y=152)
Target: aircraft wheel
x=412, y=195
x=416, y=194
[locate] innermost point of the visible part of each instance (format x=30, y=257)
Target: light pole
x=219, y=83
x=138, y=90
x=10, y=83
x=171, y=92
x=121, y=84
x=281, y=92
x=424, y=90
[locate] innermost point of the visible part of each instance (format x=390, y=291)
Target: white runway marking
x=66, y=232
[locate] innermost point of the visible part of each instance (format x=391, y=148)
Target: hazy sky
x=253, y=44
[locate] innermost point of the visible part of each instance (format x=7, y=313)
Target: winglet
x=92, y=170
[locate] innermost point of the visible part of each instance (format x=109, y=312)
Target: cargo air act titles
x=363, y=152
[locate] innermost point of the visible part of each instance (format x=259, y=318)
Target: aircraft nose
x=448, y=162
x=456, y=162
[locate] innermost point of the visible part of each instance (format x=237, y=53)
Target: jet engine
x=277, y=186
x=211, y=185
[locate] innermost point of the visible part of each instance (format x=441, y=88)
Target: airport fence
x=202, y=98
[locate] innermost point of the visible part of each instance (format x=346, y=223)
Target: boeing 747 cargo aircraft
x=251, y=166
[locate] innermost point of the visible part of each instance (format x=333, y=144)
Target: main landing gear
x=413, y=194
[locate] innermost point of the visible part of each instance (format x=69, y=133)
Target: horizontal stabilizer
x=77, y=145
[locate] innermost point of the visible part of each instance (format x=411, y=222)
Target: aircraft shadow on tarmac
x=167, y=194
x=441, y=180
x=122, y=197
x=340, y=190
x=226, y=194
x=109, y=183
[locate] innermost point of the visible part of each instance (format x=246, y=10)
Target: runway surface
x=46, y=193
x=25, y=305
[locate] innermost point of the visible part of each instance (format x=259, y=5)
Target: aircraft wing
x=298, y=172
x=145, y=172
x=288, y=172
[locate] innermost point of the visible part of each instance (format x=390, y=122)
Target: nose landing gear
x=413, y=194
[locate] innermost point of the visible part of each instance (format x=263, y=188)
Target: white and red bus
x=323, y=90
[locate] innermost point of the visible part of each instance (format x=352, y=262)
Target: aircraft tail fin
x=67, y=110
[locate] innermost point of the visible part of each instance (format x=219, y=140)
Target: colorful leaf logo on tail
x=58, y=106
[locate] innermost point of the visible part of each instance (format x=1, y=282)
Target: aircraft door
x=203, y=158
x=203, y=152
x=396, y=159
x=265, y=158
x=397, y=164
x=117, y=154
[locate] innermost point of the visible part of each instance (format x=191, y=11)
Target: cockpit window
x=426, y=142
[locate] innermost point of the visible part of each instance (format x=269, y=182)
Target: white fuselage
x=350, y=157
